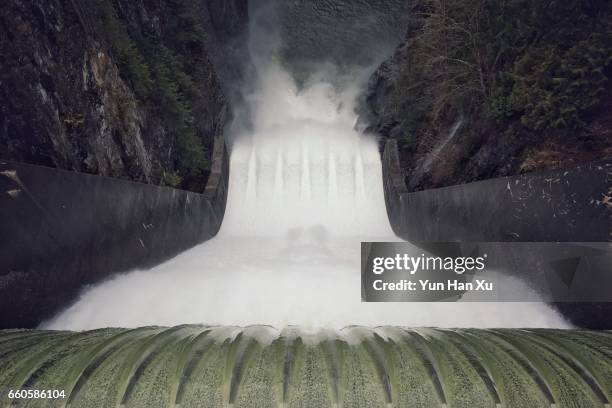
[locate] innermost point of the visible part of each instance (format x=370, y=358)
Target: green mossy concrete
x=201, y=366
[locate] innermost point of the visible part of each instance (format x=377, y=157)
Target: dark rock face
x=466, y=149
x=456, y=123
x=62, y=230
x=69, y=87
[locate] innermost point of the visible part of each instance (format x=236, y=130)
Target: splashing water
x=305, y=188
x=304, y=166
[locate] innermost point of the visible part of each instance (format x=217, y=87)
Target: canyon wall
x=126, y=89
x=479, y=90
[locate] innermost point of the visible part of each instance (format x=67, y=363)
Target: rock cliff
x=128, y=89
x=480, y=89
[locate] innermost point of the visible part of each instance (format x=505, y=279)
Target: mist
x=305, y=189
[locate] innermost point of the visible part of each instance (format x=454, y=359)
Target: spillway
x=258, y=366
x=305, y=189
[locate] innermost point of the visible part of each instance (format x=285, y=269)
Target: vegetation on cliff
x=526, y=80
x=113, y=87
x=165, y=72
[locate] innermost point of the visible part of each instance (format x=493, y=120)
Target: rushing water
x=304, y=166
x=305, y=188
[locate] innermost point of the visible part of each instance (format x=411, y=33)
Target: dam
x=280, y=284
x=246, y=292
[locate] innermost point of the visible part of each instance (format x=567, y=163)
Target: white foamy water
x=305, y=189
x=304, y=165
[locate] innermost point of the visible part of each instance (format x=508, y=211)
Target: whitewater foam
x=305, y=188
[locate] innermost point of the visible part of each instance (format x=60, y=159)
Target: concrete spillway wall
x=555, y=206
x=190, y=366
x=563, y=205
x=62, y=230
